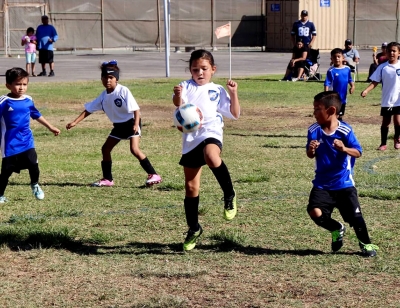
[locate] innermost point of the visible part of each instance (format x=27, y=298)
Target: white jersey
x=118, y=105
x=389, y=75
x=214, y=102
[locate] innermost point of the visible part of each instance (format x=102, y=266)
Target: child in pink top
x=29, y=41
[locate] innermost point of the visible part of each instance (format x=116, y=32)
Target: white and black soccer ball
x=188, y=118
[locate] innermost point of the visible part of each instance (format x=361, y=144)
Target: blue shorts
x=30, y=57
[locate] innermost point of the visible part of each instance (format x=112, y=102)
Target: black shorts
x=46, y=56
x=389, y=111
x=195, y=158
x=18, y=162
x=345, y=200
x=125, y=130
x=342, y=110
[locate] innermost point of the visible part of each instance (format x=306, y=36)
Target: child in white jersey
x=389, y=74
x=204, y=146
x=123, y=111
x=29, y=41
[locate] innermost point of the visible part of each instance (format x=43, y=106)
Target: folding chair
x=312, y=67
x=354, y=71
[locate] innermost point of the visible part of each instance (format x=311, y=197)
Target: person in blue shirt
x=304, y=29
x=335, y=147
x=17, y=143
x=338, y=77
x=46, y=35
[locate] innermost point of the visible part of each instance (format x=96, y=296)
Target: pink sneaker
x=153, y=179
x=382, y=148
x=397, y=144
x=103, y=182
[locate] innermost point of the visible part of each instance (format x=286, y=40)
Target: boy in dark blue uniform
x=335, y=147
x=338, y=78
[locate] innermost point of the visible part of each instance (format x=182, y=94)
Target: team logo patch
x=214, y=95
x=398, y=72
x=118, y=102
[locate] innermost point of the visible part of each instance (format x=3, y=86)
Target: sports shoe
x=153, y=179
x=337, y=238
x=103, y=182
x=230, y=208
x=3, y=199
x=382, y=147
x=51, y=74
x=397, y=143
x=191, y=238
x=37, y=191
x=295, y=79
x=368, y=250
x=43, y=73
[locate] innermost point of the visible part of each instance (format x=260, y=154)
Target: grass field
x=122, y=246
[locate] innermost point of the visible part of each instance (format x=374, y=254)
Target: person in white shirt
x=123, y=111
x=389, y=74
x=203, y=147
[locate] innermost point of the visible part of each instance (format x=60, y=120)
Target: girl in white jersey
x=123, y=111
x=204, y=146
x=389, y=74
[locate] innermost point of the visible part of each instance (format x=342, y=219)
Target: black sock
x=34, y=173
x=146, y=165
x=4, y=176
x=360, y=228
x=396, y=132
x=327, y=223
x=106, y=167
x=192, y=212
x=384, y=134
x=223, y=177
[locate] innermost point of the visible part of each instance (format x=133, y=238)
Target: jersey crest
x=118, y=102
x=213, y=95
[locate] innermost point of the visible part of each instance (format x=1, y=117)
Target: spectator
x=46, y=35
x=304, y=29
x=350, y=54
x=377, y=60
x=297, y=63
x=29, y=42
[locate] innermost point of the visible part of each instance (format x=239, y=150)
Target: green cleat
x=368, y=250
x=191, y=238
x=230, y=208
x=337, y=238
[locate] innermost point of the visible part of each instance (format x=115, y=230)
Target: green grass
x=122, y=246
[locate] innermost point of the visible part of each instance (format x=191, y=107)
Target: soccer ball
x=188, y=118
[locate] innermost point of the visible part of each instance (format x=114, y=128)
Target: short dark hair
x=335, y=51
x=15, y=73
x=329, y=99
x=30, y=29
x=393, y=44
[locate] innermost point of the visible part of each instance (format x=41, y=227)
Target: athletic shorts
x=342, y=110
x=46, y=56
x=389, y=111
x=195, y=158
x=125, y=130
x=18, y=162
x=30, y=57
x=345, y=200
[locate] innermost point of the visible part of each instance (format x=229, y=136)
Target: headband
x=105, y=71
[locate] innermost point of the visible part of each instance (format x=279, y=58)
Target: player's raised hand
x=338, y=145
x=232, y=85
x=178, y=90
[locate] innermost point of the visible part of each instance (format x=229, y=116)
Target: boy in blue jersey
x=17, y=143
x=334, y=146
x=338, y=78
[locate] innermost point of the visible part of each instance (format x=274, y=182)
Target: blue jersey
x=43, y=34
x=338, y=79
x=15, y=132
x=305, y=31
x=333, y=168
